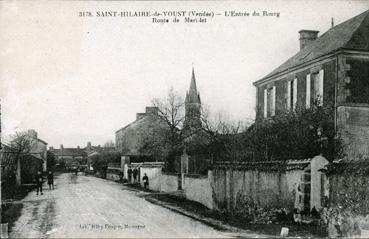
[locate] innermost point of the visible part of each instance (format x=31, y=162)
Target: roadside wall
x=242, y=188
x=154, y=174
x=198, y=188
x=169, y=182
x=269, y=185
x=348, y=208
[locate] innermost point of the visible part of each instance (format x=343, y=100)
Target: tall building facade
x=332, y=69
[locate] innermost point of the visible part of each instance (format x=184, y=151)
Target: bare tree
x=21, y=142
x=171, y=109
x=165, y=142
x=109, y=144
x=225, y=136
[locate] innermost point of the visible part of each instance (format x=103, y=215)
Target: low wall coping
x=195, y=176
x=286, y=165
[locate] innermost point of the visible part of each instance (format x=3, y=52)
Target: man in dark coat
x=135, y=173
x=145, y=180
x=129, y=175
x=50, y=180
x=39, y=182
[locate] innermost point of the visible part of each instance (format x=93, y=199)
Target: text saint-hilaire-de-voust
x=146, y=14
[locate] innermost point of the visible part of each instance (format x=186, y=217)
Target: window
x=317, y=80
x=269, y=101
x=308, y=88
x=292, y=94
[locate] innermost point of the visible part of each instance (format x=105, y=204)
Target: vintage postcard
x=182, y=119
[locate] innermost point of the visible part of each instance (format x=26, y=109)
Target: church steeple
x=193, y=81
x=192, y=105
x=192, y=95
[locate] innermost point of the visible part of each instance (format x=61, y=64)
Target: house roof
x=352, y=34
x=144, y=120
x=69, y=152
x=42, y=141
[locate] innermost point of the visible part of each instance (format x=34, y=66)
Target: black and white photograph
x=184, y=119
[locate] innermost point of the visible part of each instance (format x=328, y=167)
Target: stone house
x=129, y=139
x=38, y=148
x=333, y=69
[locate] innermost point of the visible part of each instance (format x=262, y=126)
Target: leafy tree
x=292, y=135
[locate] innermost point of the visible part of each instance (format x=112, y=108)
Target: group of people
x=134, y=172
x=40, y=180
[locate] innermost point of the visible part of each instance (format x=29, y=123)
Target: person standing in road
x=50, y=180
x=129, y=175
x=135, y=173
x=145, y=180
x=39, y=182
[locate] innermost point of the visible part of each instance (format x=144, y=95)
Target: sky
x=77, y=79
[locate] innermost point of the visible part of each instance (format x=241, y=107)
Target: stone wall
x=154, y=174
x=348, y=208
x=267, y=185
x=353, y=123
x=198, y=189
x=169, y=183
x=264, y=189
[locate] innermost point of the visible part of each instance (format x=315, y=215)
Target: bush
x=293, y=135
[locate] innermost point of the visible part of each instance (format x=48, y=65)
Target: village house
x=38, y=148
x=129, y=139
x=69, y=156
x=332, y=69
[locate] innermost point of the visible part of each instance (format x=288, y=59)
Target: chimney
x=51, y=148
x=61, y=146
x=306, y=37
x=78, y=147
x=32, y=133
x=140, y=115
x=152, y=110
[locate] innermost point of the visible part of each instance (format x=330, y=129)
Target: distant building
x=129, y=139
x=69, y=156
x=332, y=68
x=38, y=148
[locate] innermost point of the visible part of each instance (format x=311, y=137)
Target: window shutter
x=294, y=94
x=273, y=100
x=289, y=95
x=308, y=88
x=265, y=103
x=321, y=85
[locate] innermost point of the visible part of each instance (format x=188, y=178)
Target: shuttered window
x=308, y=88
x=292, y=94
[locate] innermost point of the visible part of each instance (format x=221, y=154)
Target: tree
x=292, y=135
x=109, y=144
x=166, y=142
x=21, y=143
x=50, y=157
x=225, y=137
